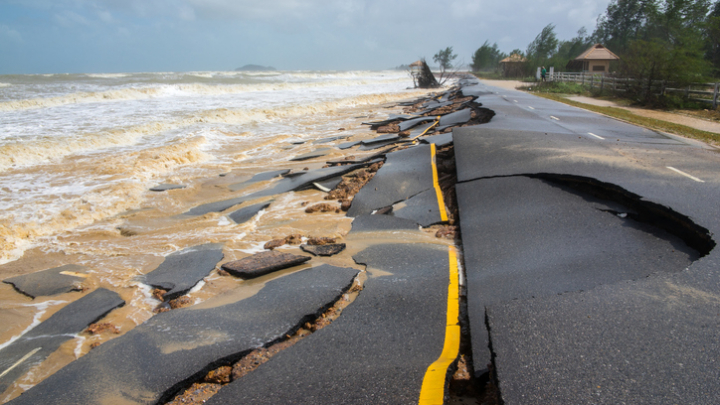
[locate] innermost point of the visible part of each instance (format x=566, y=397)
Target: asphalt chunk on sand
x=311, y=155
x=377, y=351
x=166, y=187
x=323, y=250
x=405, y=173
x=244, y=214
x=264, y=176
x=48, y=282
x=548, y=240
x=181, y=271
x=33, y=347
x=263, y=263
x=164, y=355
x=293, y=183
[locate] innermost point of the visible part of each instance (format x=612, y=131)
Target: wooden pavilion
x=595, y=59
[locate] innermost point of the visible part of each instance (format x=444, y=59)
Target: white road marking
x=515, y=101
x=685, y=174
x=17, y=363
x=530, y=108
x=555, y=118
x=596, y=136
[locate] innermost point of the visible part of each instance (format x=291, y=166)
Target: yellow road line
x=425, y=131
x=436, y=184
x=433, y=386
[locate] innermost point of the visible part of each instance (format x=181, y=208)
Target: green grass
x=652, y=123
x=559, y=88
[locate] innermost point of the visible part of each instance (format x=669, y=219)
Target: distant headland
x=254, y=68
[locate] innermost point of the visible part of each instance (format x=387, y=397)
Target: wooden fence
x=701, y=92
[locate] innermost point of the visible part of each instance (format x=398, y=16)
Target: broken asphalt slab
x=381, y=223
x=456, y=118
x=377, y=351
x=259, y=177
x=311, y=155
x=181, y=271
x=33, y=347
x=422, y=208
x=293, y=183
x=548, y=240
x=405, y=173
x=263, y=263
x=405, y=125
x=53, y=281
x=347, y=145
x=164, y=355
x=323, y=250
x=166, y=187
x=439, y=140
x=650, y=341
x=246, y=213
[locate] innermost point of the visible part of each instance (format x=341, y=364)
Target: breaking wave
x=47, y=149
x=138, y=93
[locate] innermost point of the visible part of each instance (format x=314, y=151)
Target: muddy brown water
x=142, y=227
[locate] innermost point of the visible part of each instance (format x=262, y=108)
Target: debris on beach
x=321, y=207
x=97, y=328
x=321, y=241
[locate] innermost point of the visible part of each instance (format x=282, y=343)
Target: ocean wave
x=137, y=93
x=107, y=75
x=133, y=173
x=51, y=148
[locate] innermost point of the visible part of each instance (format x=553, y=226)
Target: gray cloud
x=289, y=34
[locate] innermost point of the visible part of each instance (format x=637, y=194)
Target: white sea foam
x=42, y=307
x=109, y=137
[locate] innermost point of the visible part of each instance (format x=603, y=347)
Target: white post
x=537, y=74
x=552, y=72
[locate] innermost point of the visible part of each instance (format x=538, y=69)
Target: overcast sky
x=74, y=36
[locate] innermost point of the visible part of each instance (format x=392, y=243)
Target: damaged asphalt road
x=591, y=267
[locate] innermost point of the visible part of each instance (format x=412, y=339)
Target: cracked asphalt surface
x=594, y=315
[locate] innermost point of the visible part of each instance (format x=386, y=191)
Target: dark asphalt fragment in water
x=245, y=213
x=182, y=270
x=166, y=187
x=34, y=346
x=264, y=176
x=324, y=250
x=311, y=155
x=297, y=182
x=263, y=263
x=53, y=281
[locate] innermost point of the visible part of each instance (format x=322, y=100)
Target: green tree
x=444, y=58
x=712, y=37
x=487, y=57
x=670, y=47
x=624, y=21
x=568, y=50
x=541, y=49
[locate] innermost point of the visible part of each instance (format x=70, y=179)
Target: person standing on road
x=543, y=72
